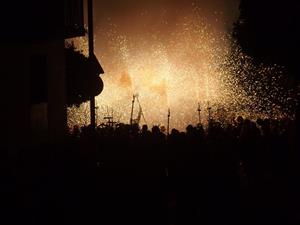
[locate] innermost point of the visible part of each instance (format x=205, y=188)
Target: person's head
x=189, y=129
x=247, y=123
x=240, y=119
x=135, y=128
x=144, y=128
x=253, y=125
x=76, y=129
x=259, y=121
x=163, y=129
x=174, y=132
x=155, y=130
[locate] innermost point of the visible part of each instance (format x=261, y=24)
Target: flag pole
x=199, y=114
x=91, y=52
x=168, y=125
x=132, y=106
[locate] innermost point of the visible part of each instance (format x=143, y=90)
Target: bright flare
x=193, y=64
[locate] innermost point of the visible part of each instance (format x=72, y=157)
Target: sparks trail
x=192, y=64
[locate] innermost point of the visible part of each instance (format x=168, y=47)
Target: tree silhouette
x=268, y=30
x=83, y=79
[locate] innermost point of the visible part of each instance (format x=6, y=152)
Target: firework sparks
x=192, y=64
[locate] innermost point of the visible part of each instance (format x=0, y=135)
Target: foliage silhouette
x=83, y=81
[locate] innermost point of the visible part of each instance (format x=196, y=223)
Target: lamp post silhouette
x=168, y=125
x=132, y=107
x=199, y=113
x=91, y=52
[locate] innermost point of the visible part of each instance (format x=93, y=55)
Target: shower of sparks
x=194, y=63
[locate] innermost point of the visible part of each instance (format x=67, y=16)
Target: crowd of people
x=221, y=174
x=251, y=148
x=239, y=170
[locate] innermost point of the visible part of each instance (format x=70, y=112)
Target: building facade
x=33, y=76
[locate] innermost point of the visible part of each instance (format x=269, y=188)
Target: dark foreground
x=245, y=173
